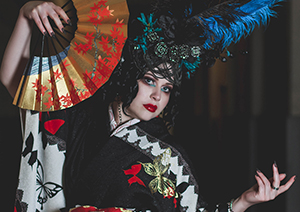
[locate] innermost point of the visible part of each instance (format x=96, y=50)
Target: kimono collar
x=114, y=128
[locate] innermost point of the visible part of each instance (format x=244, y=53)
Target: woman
x=125, y=157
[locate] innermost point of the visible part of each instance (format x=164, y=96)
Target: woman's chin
x=147, y=118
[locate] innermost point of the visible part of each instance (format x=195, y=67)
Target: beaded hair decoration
x=176, y=38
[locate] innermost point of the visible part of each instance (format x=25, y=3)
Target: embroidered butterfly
x=46, y=190
x=160, y=183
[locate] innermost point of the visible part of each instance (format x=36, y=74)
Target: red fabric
x=53, y=126
x=134, y=170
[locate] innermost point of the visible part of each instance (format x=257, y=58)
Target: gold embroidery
x=161, y=184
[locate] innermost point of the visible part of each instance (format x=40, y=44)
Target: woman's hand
x=265, y=190
x=39, y=11
x=17, y=50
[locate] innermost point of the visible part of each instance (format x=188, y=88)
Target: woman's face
x=152, y=97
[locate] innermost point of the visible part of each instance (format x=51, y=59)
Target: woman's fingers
x=261, y=186
x=282, y=176
x=269, y=189
x=265, y=193
x=264, y=179
x=36, y=18
x=40, y=11
x=56, y=13
x=286, y=186
x=276, y=179
x=62, y=14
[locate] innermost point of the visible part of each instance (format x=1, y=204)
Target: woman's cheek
x=166, y=99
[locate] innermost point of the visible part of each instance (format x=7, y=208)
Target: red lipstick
x=150, y=107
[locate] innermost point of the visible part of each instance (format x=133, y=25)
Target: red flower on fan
x=49, y=103
x=39, y=88
x=65, y=65
x=97, y=6
x=84, y=95
x=95, y=20
x=105, y=12
x=115, y=33
x=102, y=3
x=77, y=48
x=64, y=68
x=89, y=38
x=36, y=84
x=107, y=50
x=120, y=39
x=118, y=24
x=111, y=62
x=82, y=48
x=102, y=67
x=66, y=100
x=104, y=41
x=44, y=89
x=57, y=74
x=98, y=79
x=87, y=76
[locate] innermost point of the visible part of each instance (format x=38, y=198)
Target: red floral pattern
x=107, y=51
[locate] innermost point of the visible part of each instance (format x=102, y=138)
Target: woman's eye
x=166, y=89
x=149, y=82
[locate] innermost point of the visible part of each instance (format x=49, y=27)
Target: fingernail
x=258, y=170
x=295, y=177
x=46, y=34
x=63, y=30
x=69, y=22
x=275, y=164
x=52, y=34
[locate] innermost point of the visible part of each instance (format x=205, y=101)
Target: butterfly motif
x=28, y=150
x=160, y=183
x=46, y=190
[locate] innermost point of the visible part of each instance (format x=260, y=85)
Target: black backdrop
x=225, y=148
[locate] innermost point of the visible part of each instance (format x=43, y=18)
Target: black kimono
x=138, y=168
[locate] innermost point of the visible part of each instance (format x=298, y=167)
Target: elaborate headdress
x=179, y=35
x=172, y=40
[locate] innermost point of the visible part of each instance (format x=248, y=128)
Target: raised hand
x=18, y=48
x=39, y=11
x=265, y=189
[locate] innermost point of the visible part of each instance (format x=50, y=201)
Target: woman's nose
x=156, y=94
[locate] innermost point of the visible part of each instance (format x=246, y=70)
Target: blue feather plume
x=252, y=14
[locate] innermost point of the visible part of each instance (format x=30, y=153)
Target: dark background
x=237, y=116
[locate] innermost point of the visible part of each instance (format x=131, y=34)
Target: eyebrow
x=157, y=78
x=153, y=75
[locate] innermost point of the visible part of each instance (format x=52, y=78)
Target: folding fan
x=69, y=67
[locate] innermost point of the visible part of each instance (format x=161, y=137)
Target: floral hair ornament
x=184, y=35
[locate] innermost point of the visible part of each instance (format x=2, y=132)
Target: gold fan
x=69, y=67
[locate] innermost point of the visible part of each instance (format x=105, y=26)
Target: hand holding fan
x=68, y=67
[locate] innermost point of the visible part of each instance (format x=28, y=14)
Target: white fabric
x=47, y=168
